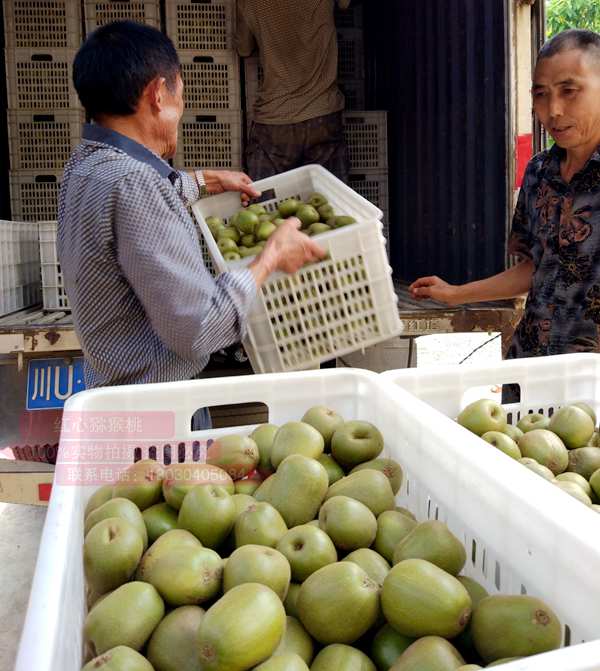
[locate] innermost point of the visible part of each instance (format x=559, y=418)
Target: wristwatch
x=202, y=190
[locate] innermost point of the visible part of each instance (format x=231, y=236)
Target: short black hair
x=116, y=63
x=583, y=40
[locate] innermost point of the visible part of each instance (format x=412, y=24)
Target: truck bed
x=32, y=331
x=426, y=317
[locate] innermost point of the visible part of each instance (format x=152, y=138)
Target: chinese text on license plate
x=50, y=382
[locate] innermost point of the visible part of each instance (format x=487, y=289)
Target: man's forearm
x=509, y=284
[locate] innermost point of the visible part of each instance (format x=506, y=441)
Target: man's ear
x=154, y=93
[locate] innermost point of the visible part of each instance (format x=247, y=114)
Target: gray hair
x=586, y=41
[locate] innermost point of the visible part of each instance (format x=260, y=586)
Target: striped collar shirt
x=145, y=307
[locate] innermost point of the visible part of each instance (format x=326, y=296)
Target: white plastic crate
x=212, y=140
x=329, y=308
x=374, y=187
x=351, y=54
x=42, y=24
x=43, y=140
x=546, y=383
x=40, y=79
x=34, y=195
x=98, y=13
x=194, y=25
x=211, y=80
x=513, y=542
x=53, y=288
x=20, y=284
x=366, y=137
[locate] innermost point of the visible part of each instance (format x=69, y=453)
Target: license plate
x=50, y=382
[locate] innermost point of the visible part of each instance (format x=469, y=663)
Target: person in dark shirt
x=297, y=117
x=556, y=225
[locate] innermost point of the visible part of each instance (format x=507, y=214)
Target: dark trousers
x=273, y=149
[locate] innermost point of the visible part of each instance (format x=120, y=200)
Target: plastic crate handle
x=270, y=389
x=529, y=374
x=43, y=118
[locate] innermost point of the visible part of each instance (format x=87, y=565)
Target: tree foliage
x=564, y=14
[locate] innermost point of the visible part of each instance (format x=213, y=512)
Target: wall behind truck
x=439, y=67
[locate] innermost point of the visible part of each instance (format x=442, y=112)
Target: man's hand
x=287, y=250
x=435, y=288
x=218, y=181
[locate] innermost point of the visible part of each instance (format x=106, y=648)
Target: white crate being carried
x=327, y=309
x=20, y=284
x=515, y=543
x=53, y=288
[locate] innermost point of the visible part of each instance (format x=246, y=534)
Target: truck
x=454, y=77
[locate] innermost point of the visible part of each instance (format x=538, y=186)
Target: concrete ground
x=20, y=531
x=21, y=526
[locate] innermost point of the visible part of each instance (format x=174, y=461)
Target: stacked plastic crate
x=210, y=134
x=366, y=137
x=365, y=131
x=44, y=125
x=100, y=12
x=44, y=115
x=351, y=55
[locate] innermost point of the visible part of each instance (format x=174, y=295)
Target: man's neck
x=575, y=159
x=134, y=129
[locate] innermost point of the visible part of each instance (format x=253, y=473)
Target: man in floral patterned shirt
x=556, y=225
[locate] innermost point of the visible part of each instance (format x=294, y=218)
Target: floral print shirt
x=557, y=226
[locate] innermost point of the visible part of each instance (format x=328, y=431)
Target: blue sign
x=50, y=382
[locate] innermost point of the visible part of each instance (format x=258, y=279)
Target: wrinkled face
x=566, y=98
x=169, y=116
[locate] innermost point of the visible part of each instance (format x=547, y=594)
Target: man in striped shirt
x=144, y=306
